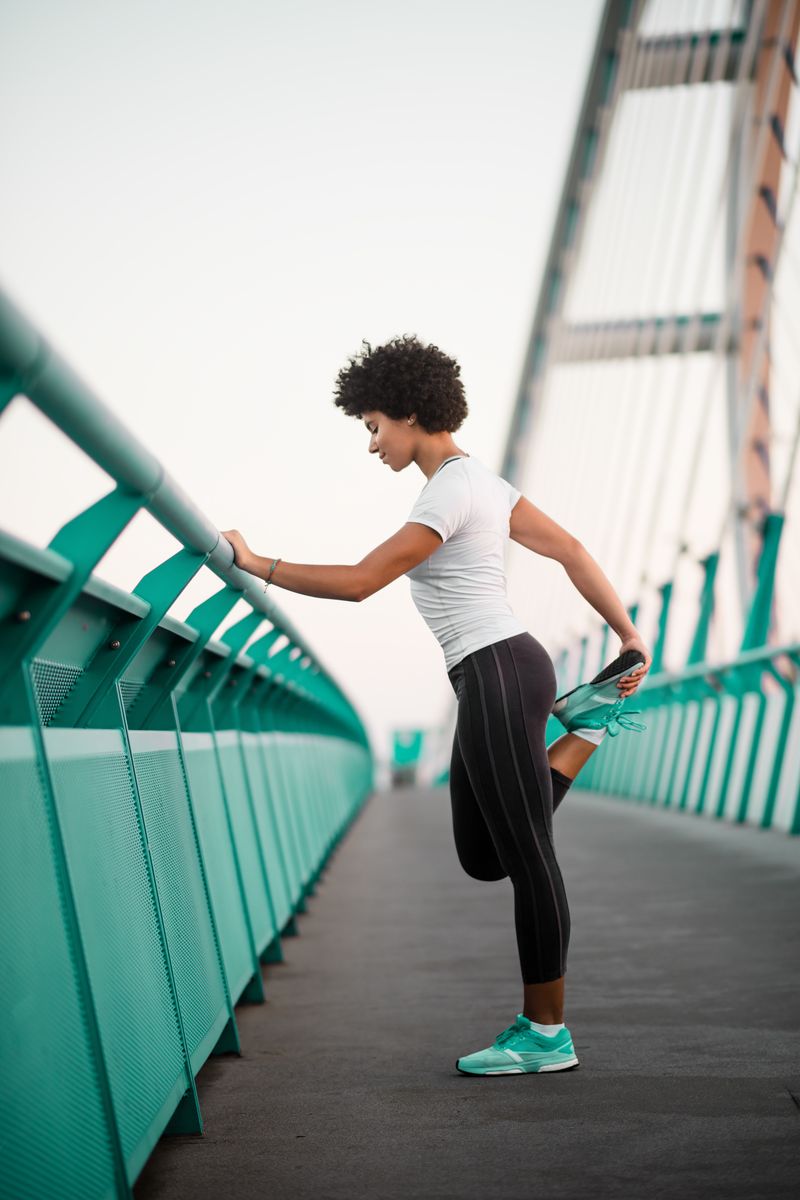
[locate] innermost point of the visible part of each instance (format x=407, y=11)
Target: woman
x=504, y=781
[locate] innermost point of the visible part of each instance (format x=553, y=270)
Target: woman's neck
x=431, y=465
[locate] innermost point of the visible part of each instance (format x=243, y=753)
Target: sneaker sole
x=622, y=665
x=523, y=1070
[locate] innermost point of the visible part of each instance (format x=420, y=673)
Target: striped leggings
x=503, y=792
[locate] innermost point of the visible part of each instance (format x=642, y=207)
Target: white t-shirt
x=460, y=590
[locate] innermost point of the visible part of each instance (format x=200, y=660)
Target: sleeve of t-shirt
x=513, y=494
x=445, y=504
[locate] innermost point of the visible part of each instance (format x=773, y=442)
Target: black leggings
x=503, y=792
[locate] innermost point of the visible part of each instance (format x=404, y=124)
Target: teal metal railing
x=716, y=743
x=168, y=803
x=720, y=742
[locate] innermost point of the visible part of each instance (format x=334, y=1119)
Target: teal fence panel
x=718, y=744
x=168, y=802
x=722, y=740
x=54, y=1134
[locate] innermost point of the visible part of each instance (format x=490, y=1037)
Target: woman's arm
x=534, y=529
x=403, y=550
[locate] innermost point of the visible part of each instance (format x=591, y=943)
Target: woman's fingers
x=629, y=683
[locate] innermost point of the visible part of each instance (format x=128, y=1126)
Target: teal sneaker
x=597, y=703
x=521, y=1049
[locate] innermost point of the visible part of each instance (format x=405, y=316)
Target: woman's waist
x=457, y=605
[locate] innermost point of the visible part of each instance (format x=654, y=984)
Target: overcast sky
x=208, y=207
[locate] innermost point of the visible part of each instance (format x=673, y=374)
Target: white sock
x=591, y=735
x=549, y=1030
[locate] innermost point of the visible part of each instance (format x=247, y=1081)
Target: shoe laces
x=615, y=720
x=509, y=1033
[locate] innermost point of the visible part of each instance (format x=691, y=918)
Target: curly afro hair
x=403, y=377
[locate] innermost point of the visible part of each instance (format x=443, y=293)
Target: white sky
x=206, y=207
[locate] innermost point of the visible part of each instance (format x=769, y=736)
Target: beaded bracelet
x=268, y=580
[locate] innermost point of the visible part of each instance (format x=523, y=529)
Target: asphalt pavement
x=682, y=996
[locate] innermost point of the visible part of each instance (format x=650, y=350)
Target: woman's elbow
x=367, y=585
x=362, y=587
x=571, y=551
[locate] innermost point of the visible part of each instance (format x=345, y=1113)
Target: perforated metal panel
x=265, y=817
x=218, y=855
x=282, y=750
x=138, y=1022
x=295, y=786
x=276, y=772
x=246, y=838
x=131, y=690
x=52, y=683
x=53, y=1135
x=190, y=938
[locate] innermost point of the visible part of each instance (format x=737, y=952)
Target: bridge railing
x=718, y=742
x=167, y=802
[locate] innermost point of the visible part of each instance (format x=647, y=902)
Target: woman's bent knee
x=486, y=872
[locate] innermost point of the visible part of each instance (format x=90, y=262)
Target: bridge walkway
x=681, y=994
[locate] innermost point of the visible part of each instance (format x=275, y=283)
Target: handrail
x=30, y=366
x=745, y=658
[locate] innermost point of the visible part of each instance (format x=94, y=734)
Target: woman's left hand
x=630, y=682
x=242, y=554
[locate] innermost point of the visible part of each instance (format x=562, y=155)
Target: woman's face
x=393, y=440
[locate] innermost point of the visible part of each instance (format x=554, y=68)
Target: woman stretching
x=505, y=782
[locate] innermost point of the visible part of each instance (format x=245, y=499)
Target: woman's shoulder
x=478, y=467
x=490, y=484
